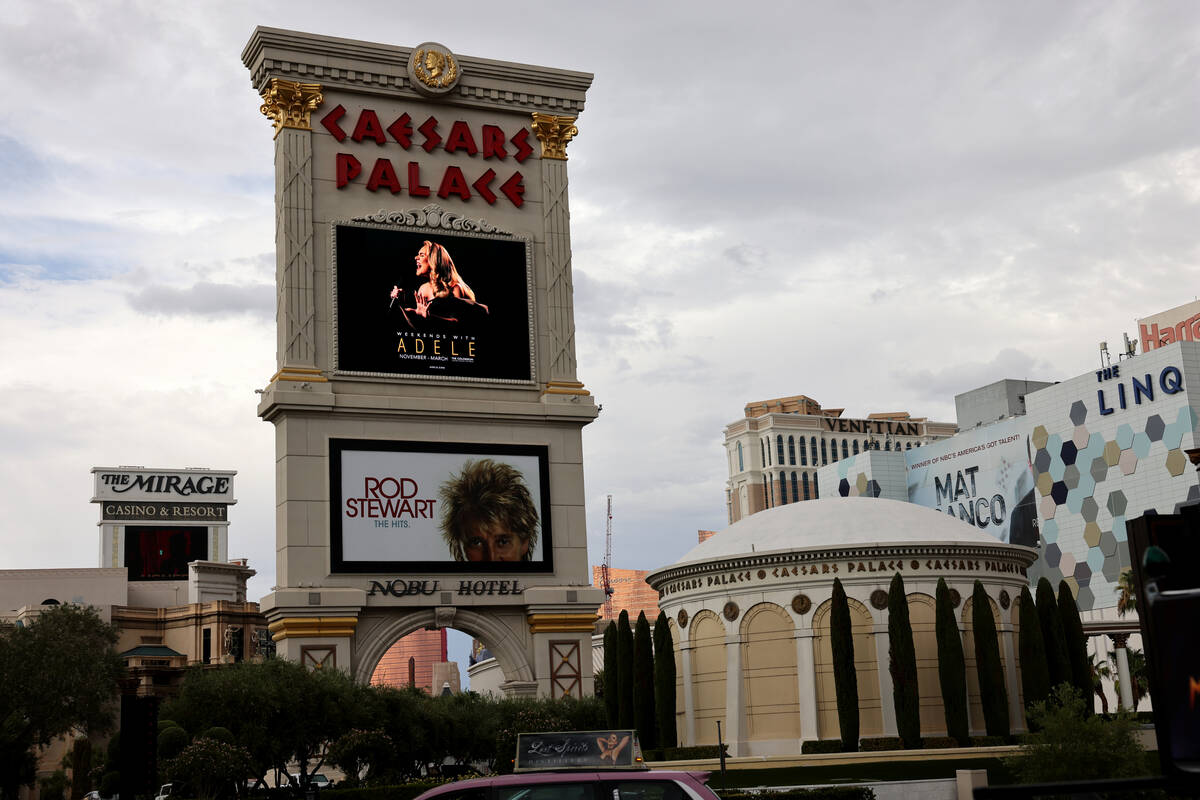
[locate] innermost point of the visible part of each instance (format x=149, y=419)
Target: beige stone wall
x=708, y=675
x=769, y=673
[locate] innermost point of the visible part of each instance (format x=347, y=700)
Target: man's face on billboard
x=492, y=542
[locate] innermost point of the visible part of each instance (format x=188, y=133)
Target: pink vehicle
x=579, y=765
x=638, y=784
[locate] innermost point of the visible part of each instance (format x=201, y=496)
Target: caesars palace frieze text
x=843, y=568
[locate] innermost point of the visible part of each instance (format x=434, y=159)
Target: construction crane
x=604, y=581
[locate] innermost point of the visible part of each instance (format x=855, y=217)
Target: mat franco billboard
x=981, y=476
x=421, y=507
x=432, y=304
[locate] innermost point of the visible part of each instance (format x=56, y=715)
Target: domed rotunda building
x=749, y=612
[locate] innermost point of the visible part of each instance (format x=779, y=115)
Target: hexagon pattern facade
x=1093, y=471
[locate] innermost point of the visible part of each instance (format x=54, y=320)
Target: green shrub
x=664, y=682
x=1076, y=642
x=822, y=746
x=643, y=683
x=219, y=734
x=952, y=669
x=163, y=724
x=992, y=690
x=171, y=742
x=1035, y=676
x=881, y=743
x=845, y=677
x=989, y=741
x=1058, y=663
x=902, y=663
x=624, y=682
x=939, y=742
x=110, y=784
x=612, y=681
x=1073, y=745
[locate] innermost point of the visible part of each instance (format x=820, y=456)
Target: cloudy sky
x=878, y=205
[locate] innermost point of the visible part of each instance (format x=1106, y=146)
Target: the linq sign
x=1170, y=381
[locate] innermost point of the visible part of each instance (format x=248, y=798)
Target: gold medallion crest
x=433, y=69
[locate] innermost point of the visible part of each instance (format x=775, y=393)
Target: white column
x=887, y=706
x=1123, y=676
x=806, y=679
x=687, y=736
x=1016, y=714
x=735, y=711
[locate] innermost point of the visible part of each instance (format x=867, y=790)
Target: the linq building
x=1061, y=466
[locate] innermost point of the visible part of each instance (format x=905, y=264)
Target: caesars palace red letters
x=489, y=142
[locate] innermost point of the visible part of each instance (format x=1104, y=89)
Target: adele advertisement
x=431, y=303
x=438, y=507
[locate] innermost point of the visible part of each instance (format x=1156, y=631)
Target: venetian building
x=749, y=613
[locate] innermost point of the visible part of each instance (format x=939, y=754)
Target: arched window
x=766, y=497
x=803, y=453
x=887, y=445
x=845, y=449
x=908, y=445
x=813, y=446
x=795, y=494
x=824, y=453
x=763, y=451
x=782, y=489
x=804, y=483
x=792, y=450
x=816, y=487
x=771, y=484
x=876, y=444
x=741, y=462
x=855, y=448
x=833, y=450
x=779, y=448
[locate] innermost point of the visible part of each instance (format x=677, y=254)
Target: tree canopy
x=59, y=674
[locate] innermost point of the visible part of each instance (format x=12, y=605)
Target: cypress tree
x=664, y=682
x=1035, y=678
x=643, y=683
x=845, y=679
x=952, y=667
x=612, y=691
x=1058, y=664
x=624, y=672
x=902, y=663
x=992, y=691
x=1076, y=641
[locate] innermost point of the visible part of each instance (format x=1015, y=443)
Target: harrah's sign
x=1180, y=324
x=485, y=142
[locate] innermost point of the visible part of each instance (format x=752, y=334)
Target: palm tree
x=1100, y=673
x=1127, y=600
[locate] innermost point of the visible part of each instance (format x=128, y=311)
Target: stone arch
x=770, y=688
x=507, y=648
x=866, y=667
x=974, y=698
x=922, y=615
x=708, y=675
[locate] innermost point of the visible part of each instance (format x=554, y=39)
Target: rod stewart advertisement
x=431, y=303
x=438, y=507
x=980, y=476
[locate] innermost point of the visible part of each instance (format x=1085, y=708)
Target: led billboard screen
x=431, y=304
x=438, y=507
x=158, y=553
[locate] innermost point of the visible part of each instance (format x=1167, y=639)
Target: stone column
x=1016, y=714
x=554, y=132
x=1123, y=676
x=289, y=105
x=735, y=712
x=887, y=708
x=687, y=734
x=806, y=677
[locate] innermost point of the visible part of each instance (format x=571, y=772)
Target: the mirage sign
x=142, y=484
x=982, y=477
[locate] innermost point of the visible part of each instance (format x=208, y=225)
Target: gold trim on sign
x=565, y=387
x=554, y=133
x=562, y=623
x=289, y=104
x=299, y=374
x=312, y=626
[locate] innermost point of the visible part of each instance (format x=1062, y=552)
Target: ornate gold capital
x=554, y=133
x=289, y=104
